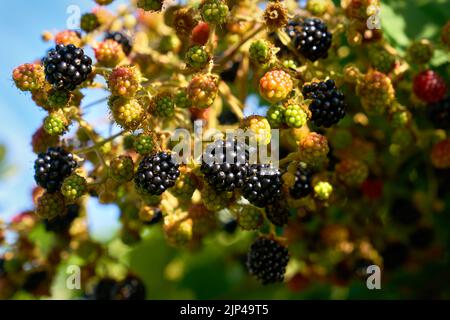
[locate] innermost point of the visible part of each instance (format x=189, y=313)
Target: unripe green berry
x=58, y=99
x=295, y=116
x=74, y=187
x=275, y=115
x=260, y=51
x=144, y=144
x=249, y=217
x=50, y=205
x=150, y=5
x=197, y=57
x=122, y=169
x=55, y=124
x=164, y=106
x=89, y=22
x=420, y=52
x=181, y=100
x=214, y=11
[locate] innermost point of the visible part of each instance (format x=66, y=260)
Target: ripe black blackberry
x=439, y=114
x=66, y=67
x=104, y=289
x=52, y=167
x=328, y=103
x=131, y=288
x=225, y=165
x=267, y=260
x=229, y=74
x=302, y=186
x=122, y=39
x=312, y=39
x=263, y=185
x=278, y=214
x=61, y=224
x=157, y=173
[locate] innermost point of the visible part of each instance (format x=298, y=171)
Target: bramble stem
x=99, y=144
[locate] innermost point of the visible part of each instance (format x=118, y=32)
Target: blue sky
x=21, y=25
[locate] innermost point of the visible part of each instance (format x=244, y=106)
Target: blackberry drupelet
x=66, y=67
x=439, y=114
x=122, y=39
x=267, y=260
x=328, y=103
x=225, y=165
x=263, y=185
x=52, y=167
x=302, y=186
x=312, y=39
x=61, y=224
x=156, y=173
x=131, y=288
x=278, y=214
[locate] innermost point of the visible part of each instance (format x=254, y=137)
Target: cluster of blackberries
x=52, y=167
x=225, y=164
x=131, y=288
x=302, y=186
x=157, y=173
x=263, y=185
x=61, y=224
x=439, y=114
x=122, y=39
x=267, y=260
x=66, y=67
x=312, y=39
x=328, y=103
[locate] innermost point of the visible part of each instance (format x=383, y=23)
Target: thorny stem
x=92, y=137
x=235, y=103
x=99, y=144
x=96, y=102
